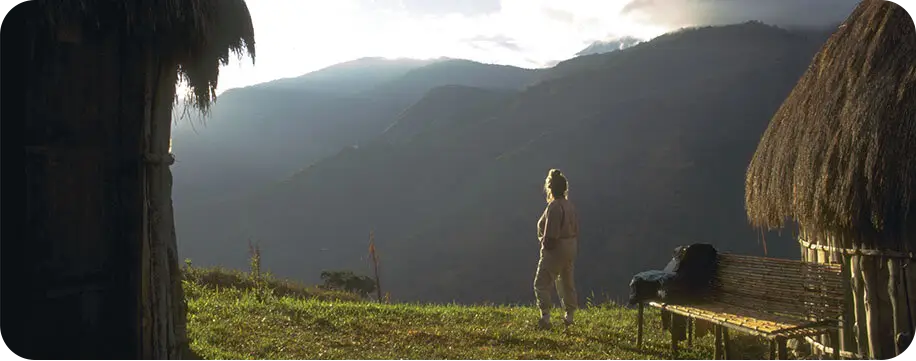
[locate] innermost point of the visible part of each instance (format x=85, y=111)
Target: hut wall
x=75, y=268
x=881, y=294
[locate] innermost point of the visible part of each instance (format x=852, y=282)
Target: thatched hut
x=839, y=160
x=88, y=88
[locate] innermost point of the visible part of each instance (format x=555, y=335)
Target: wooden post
x=639, y=320
x=872, y=309
x=835, y=338
x=885, y=336
x=910, y=292
x=781, y=351
x=673, y=343
x=718, y=333
x=690, y=332
x=374, y=256
x=909, y=286
x=909, y=271
x=847, y=332
x=814, y=257
x=725, y=344
x=772, y=349
x=858, y=295
x=164, y=309
x=897, y=309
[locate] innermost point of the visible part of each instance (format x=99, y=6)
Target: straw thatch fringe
x=198, y=35
x=840, y=154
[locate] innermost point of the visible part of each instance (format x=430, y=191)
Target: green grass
x=228, y=320
x=207, y=280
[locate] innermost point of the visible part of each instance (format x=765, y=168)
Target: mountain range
x=601, y=47
x=444, y=160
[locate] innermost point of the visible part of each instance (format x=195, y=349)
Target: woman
x=558, y=230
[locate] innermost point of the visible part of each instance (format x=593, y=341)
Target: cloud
x=436, y=7
x=488, y=42
x=787, y=13
x=298, y=36
x=559, y=15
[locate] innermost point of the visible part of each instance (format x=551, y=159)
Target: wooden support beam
x=673, y=338
x=821, y=256
x=847, y=332
x=858, y=294
x=772, y=349
x=886, y=335
x=872, y=308
x=835, y=340
x=639, y=326
x=725, y=344
x=690, y=332
x=782, y=352
x=898, y=303
x=718, y=333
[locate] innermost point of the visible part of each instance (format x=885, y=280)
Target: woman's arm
x=552, y=224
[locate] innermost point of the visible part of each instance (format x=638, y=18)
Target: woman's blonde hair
x=556, y=186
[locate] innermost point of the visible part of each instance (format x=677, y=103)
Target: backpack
x=694, y=267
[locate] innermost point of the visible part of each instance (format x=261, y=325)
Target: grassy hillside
x=233, y=322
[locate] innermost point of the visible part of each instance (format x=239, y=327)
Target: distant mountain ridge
x=601, y=47
x=351, y=77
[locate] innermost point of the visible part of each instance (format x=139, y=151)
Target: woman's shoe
x=544, y=322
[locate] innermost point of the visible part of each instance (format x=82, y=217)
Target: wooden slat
x=801, y=289
x=751, y=260
x=776, y=279
x=780, y=276
x=727, y=284
x=788, y=274
x=783, y=307
x=747, y=320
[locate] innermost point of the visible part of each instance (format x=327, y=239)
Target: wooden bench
x=772, y=298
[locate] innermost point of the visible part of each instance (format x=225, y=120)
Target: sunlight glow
x=295, y=37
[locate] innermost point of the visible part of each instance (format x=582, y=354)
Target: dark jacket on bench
x=686, y=278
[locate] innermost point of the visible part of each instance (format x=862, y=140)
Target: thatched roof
x=839, y=156
x=197, y=34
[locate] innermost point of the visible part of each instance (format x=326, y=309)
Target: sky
x=294, y=37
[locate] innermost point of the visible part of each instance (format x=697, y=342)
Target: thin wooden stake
x=893, y=284
x=639, y=327
x=718, y=332
x=885, y=334
x=673, y=338
x=847, y=334
x=781, y=352
x=690, y=332
x=872, y=310
x=858, y=293
x=374, y=256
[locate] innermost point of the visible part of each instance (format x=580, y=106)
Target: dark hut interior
x=91, y=270
x=838, y=161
